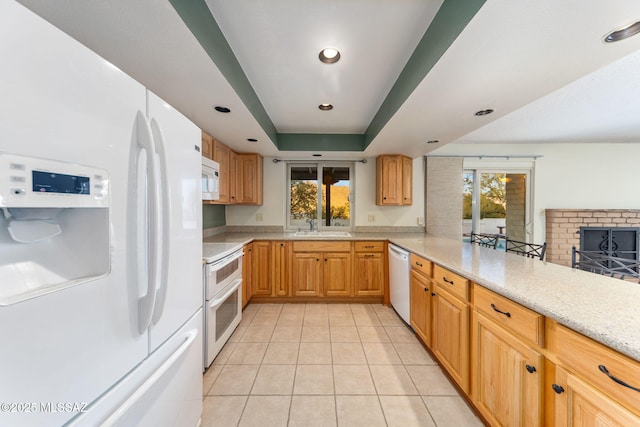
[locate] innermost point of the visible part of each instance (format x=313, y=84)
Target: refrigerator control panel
x=35, y=182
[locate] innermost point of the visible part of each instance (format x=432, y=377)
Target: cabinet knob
x=433, y=294
x=530, y=369
x=557, y=388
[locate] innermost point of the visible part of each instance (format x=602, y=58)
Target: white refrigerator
x=100, y=240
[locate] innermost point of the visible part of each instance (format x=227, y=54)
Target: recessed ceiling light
x=484, y=112
x=221, y=109
x=325, y=107
x=623, y=33
x=329, y=55
x=433, y=141
x=252, y=140
x=317, y=155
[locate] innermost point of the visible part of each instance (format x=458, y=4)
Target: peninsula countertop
x=602, y=308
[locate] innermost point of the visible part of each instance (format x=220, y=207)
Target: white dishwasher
x=399, y=266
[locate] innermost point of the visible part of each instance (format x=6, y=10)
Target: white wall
x=273, y=208
x=589, y=176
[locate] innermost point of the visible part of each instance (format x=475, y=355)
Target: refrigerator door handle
x=164, y=211
x=151, y=381
x=145, y=143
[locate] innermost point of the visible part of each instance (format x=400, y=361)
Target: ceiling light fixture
x=329, y=55
x=325, y=107
x=221, y=109
x=484, y=112
x=317, y=155
x=623, y=33
x=252, y=140
x=433, y=141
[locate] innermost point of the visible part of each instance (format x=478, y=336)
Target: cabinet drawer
x=321, y=246
x=453, y=283
x=511, y=315
x=369, y=246
x=420, y=264
x=587, y=359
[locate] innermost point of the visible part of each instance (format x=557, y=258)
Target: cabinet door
x=579, y=404
x=261, y=277
x=451, y=335
x=336, y=274
x=389, y=180
x=247, y=269
x=280, y=268
x=369, y=274
x=306, y=273
x=249, y=179
x=221, y=155
x=207, y=145
x=508, y=376
x=420, y=307
x=233, y=177
x=407, y=181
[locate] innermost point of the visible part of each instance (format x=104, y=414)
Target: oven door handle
x=219, y=264
x=218, y=301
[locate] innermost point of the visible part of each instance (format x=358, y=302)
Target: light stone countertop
x=604, y=309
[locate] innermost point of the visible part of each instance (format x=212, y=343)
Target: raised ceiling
x=542, y=66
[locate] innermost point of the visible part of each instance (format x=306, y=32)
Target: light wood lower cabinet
x=420, y=308
x=578, y=403
x=280, y=264
x=370, y=271
x=321, y=273
x=450, y=339
x=261, y=269
x=507, y=376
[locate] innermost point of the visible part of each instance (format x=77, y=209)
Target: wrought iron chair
x=529, y=250
x=597, y=262
x=485, y=240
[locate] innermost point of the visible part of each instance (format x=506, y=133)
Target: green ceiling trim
x=320, y=142
x=452, y=17
x=197, y=16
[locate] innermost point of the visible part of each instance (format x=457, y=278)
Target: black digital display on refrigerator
x=48, y=182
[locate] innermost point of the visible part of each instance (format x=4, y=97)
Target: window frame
x=319, y=225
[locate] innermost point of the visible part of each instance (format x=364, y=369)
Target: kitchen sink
x=307, y=233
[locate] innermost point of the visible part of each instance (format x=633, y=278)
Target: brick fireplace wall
x=563, y=228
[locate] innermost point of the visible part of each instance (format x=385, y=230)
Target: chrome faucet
x=310, y=222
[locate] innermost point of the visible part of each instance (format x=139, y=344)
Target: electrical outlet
x=420, y=220
x=259, y=217
x=372, y=218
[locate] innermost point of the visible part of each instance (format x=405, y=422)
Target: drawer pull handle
x=530, y=369
x=605, y=371
x=369, y=255
x=557, y=388
x=418, y=264
x=506, y=313
x=447, y=280
x=369, y=247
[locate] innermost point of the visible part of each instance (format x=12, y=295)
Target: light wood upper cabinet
x=233, y=174
x=370, y=269
x=207, y=145
x=221, y=155
x=248, y=177
x=508, y=376
x=394, y=180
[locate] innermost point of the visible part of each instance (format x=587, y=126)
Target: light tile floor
x=328, y=365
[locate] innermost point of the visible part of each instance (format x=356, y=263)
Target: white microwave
x=210, y=179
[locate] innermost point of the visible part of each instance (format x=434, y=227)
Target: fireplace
x=564, y=230
x=621, y=242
